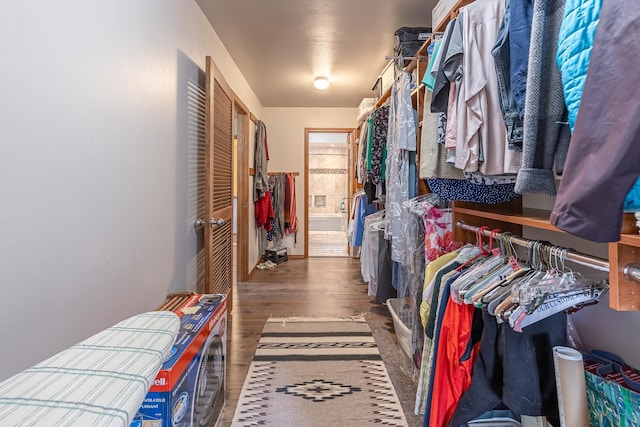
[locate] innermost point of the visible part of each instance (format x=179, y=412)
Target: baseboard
x=252, y=272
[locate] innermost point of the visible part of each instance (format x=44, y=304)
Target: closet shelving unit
x=624, y=293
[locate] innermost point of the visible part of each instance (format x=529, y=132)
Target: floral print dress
x=438, y=234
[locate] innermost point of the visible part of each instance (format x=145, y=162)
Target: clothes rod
x=418, y=58
x=632, y=272
x=252, y=172
x=576, y=257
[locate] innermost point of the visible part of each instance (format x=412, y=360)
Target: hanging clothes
x=546, y=130
x=603, y=160
x=502, y=57
x=432, y=300
x=575, y=41
x=277, y=186
x=520, y=19
x=369, y=251
x=264, y=213
x=379, y=141
x=290, y=216
x=444, y=69
x=482, y=141
x=457, y=349
x=385, y=289
x=514, y=369
x=433, y=156
x=360, y=209
x=260, y=162
x=361, y=148
x=401, y=140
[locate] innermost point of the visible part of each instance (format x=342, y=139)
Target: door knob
x=219, y=222
x=198, y=223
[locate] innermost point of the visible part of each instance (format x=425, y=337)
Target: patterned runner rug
x=311, y=372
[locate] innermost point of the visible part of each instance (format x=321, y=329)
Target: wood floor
x=308, y=287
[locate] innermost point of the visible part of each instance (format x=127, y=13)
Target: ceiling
x=281, y=45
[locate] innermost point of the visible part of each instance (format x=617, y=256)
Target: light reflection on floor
x=328, y=244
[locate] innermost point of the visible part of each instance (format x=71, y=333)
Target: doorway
x=327, y=191
x=242, y=121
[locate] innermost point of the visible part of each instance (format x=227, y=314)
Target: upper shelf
x=538, y=218
x=630, y=239
x=422, y=52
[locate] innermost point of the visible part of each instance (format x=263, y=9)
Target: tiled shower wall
x=327, y=178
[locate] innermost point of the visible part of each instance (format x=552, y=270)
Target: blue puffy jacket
x=574, y=49
x=575, y=41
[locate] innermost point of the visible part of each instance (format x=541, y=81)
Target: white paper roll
x=571, y=387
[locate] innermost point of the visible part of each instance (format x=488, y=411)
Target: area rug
x=311, y=372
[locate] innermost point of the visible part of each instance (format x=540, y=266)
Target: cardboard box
x=189, y=390
x=441, y=11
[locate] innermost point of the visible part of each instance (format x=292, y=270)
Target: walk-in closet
x=320, y=213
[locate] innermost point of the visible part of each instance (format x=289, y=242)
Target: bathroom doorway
x=328, y=191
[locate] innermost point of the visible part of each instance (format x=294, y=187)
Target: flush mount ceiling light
x=321, y=83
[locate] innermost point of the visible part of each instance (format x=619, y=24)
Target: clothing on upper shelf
x=520, y=19
x=603, y=161
x=401, y=140
x=433, y=161
x=360, y=155
x=429, y=79
x=378, y=143
x=448, y=66
x=575, y=40
x=502, y=57
x=546, y=130
x=482, y=141
x=466, y=191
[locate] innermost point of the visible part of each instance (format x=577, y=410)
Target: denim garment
x=508, y=106
x=520, y=19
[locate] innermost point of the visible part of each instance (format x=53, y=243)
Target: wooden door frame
x=242, y=181
x=350, y=182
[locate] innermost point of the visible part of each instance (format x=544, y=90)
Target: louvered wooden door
x=219, y=198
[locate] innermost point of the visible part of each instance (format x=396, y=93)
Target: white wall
x=285, y=129
x=96, y=205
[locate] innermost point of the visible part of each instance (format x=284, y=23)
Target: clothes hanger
x=519, y=275
x=560, y=289
x=496, y=272
x=485, y=265
x=483, y=250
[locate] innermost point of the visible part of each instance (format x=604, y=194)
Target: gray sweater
x=546, y=128
x=260, y=183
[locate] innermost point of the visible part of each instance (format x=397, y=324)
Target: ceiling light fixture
x=321, y=83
